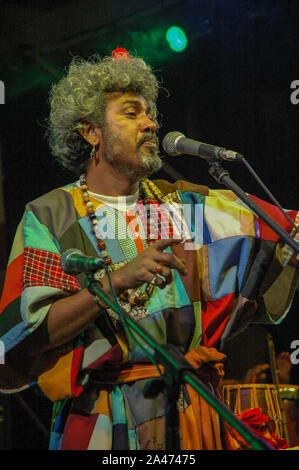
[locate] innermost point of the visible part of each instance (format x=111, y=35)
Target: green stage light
x=176, y=38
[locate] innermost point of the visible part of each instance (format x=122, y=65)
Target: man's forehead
x=118, y=99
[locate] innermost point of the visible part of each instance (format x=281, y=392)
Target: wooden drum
x=240, y=397
x=289, y=395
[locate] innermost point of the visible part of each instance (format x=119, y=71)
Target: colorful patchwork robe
x=238, y=272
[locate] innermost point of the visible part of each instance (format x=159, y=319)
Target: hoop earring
x=93, y=152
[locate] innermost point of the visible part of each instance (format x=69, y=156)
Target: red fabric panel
x=78, y=432
x=112, y=359
x=13, y=282
x=215, y=315
x=76, y=367
x=266, y=233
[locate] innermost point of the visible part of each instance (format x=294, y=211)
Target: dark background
x=230, y=87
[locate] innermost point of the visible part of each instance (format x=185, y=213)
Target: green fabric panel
x=173, y=295
x=75, y=237
x=55, y=210
x=127, y=243
x=196, y=340
x=38, y=236
x=11, y=316
x=118, y=406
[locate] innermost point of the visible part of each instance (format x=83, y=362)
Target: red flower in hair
x=120, y=53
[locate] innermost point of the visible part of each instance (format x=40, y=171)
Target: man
x=184, y=291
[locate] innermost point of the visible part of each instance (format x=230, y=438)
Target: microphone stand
x=222, y=176
x=177, y=368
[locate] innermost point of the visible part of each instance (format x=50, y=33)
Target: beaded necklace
x=135, y=298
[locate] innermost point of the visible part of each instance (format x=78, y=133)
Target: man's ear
x=90, y=133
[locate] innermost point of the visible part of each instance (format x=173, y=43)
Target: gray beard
x=148, y=164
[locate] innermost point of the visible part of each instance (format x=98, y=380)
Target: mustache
x=150, y=137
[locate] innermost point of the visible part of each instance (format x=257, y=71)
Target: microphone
x=73, y=261
x=175, y=143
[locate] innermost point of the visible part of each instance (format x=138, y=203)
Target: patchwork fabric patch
x=42, y=268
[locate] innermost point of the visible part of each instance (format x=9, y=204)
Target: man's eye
x=131, y=113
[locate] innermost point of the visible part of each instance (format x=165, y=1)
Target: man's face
x=129, y=136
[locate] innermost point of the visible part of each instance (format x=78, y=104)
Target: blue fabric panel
x=228, y=260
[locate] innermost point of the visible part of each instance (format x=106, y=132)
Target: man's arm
x=69, y=316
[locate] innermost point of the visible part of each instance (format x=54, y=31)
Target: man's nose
x=148, y=124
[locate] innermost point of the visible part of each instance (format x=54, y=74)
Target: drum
x=289, y=395
x=240, y=397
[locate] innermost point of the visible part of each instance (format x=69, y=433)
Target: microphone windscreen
x=64, y=259
x=169, y=142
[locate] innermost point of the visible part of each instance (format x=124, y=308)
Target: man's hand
x=284, y=366
x=256, y=374
x=70, y=315
x=151, y=263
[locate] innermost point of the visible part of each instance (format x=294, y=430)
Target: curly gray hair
x=82, y=95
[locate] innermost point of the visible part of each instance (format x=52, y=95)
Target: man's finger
x=164, y=243
x=172, y=261
x=262, y=367
x=166, y=276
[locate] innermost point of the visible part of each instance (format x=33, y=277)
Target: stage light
x=176, y=38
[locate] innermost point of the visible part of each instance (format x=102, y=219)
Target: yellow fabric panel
x=56, y=382
x=79, y=203
x=226, y=218
x=104, y=404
